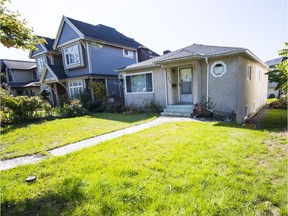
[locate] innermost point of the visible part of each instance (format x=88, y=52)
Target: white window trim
x=254, y=106
x=246, y=114
x=39, y=69
x=249, y=72
x=69, y=88
x=133, y=74
x=129, y=55
x=214, y=64
x=80, y=63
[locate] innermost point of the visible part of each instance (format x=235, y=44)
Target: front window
x=75, y=88
x=40, y=65
x=72, y=55
x=139, y=83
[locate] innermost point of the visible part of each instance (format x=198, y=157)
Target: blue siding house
x=83, y=53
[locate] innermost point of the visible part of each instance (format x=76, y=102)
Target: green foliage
x=15, y=32
x=279, y=104
x=185, y=168
x=203, y=109
x=152, y=107
x=279, y=74
x=45, y=94
x=72, y=108
x=99, y=91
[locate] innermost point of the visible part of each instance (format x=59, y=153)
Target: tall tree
x=279, y=74
x=14, y=32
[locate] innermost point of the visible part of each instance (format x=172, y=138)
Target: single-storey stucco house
x=232, y=78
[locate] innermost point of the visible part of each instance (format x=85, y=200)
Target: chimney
x=166, y=52
x=143, y=53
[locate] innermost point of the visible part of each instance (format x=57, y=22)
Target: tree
x=14, y=32
x=279, y=74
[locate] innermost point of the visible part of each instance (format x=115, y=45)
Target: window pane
x=139, y=83
x=128, y=84
x=149, y=82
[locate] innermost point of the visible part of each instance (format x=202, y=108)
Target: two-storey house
x=82, y=53
x=20, y=76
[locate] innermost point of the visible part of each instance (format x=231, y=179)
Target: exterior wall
x=250, y=91
x=158, y=94
x=57, y=60
x=67, y=34
x=22, y=76
x=35, y=52
x=223, y=91
x=106, y=59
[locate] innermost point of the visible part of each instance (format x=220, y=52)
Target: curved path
x=11, y=163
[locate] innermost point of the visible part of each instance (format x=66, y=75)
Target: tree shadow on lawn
x=69, y=195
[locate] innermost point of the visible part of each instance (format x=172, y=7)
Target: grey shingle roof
x=273, y=62
x=19, y=65
x=58, y=71
x=24, y=84
x=195, y=50
x=49, y=44
x=105, y=33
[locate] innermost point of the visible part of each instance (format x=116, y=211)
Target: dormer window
x=128, y=53
x=72, y=56
x=40, y=65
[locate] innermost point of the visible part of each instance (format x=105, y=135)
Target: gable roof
x=45, y=47
x=19, y=64
x=100, y=33
x=49, y=43
x=193, y=51
x=57, y=72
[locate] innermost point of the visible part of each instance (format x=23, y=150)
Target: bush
x=152, y=107
x=72, y=108
x=203, y=109
x=279, y=104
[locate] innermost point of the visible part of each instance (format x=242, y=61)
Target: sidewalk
x=11, y=163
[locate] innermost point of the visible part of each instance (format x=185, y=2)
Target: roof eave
x=89, y=39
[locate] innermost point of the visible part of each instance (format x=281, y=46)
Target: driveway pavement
x=11, y=163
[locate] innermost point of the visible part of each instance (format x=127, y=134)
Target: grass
x=172, y=169
x=24, y=139
x=275, y=120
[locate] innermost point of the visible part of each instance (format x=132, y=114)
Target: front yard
x=172, y=169
x=30, y=138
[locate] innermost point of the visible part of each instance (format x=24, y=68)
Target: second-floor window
x=40, y=65
x=127, y=53
x=249, y=72
x=9, y=75
x=72, y=55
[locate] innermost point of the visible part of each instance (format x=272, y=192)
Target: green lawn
x=24, y=139
x=172, y=169
x=275, y=120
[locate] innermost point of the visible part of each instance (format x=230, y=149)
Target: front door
x=185, y=84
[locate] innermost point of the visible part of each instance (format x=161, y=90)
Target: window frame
x=137, y=74
x=9, y=74
x=67, y=53
x=254, y=106
x=249, y=72
x=246, y=112
x=40, y=65
x=71, y=88
x=129, y=55
x=213, y=66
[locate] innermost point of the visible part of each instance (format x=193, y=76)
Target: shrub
x=95, y=106
x=203, y=109
x=115, y=107
x=72, y=108
x=152, y=107
x=279, y=104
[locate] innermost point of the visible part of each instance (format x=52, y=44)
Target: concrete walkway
x=11, y=163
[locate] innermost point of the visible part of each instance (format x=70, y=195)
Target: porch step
x=178, y=110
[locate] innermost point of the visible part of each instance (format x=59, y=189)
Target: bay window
x=72, y=56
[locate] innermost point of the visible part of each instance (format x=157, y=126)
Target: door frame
x=179, y=83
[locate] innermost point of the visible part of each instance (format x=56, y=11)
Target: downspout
x=207, y=80
x=166, y=90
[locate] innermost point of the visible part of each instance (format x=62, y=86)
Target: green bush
x=152, y=107
x=72, y=108
x=279, y=104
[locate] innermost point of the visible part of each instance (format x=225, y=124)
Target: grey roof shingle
x=19, y=65
x=195, y=50
x=274, y=62
x=58, y=71
x=49, y=44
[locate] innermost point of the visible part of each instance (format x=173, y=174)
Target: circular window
x=218, y=69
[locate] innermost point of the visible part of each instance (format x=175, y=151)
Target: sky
x=258, y=25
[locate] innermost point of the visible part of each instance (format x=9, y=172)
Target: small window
x=218, y=69
x=249, y=69
x=127, y=53
x=75, y=88
x=72, y=56
x=246, y=112
x=260, y=75
x=254, y=106
x=139, y=83
x=34, y=75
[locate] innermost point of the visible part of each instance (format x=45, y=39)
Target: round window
x=218, y=69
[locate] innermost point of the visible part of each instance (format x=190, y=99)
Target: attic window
x=218, y=69
x=128, y=53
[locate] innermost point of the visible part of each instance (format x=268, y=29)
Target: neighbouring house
x=231, y=78
x=20, y=76
x=83, y=53
x=272, y=93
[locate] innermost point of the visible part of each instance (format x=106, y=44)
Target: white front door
x=185, y=85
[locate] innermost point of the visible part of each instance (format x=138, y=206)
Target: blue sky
x=259, y=25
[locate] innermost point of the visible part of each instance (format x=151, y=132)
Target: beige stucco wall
x=158, y=95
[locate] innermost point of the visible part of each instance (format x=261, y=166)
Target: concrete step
x=175, y=114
